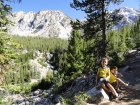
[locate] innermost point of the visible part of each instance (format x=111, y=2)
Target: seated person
x=115, y=78
x=103, y=76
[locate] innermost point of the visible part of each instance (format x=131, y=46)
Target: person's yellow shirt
x=103, y=72
x=112, y=78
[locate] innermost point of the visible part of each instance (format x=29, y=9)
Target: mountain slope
x=51, y=23
x=44, y=23
x=130, y=16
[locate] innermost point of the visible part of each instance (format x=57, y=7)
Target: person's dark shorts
x=114, y=84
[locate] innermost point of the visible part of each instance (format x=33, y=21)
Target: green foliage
x=58, y=83
x=119, y=42
x=24, y=58
x=4, y=102
x=116, y=60
x=42, y=61
x=40, y=43
x=80, y=103
x=20, y=73
x=18, y=88
x=8, y=49
x=49, y=76
x=4, y=11
x=45, y=83
x=62, y=64
x=92, y=54
x=16, y=77
x=13, y=88
x=135, y=34
x=41, y=84
x=75, y=59
x=82, y=97
x=66, y=100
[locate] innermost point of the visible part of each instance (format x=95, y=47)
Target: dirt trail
x=127, y=97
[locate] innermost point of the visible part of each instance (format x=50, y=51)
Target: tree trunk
x=103, y=30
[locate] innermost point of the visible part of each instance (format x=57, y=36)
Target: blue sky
x=64, y=6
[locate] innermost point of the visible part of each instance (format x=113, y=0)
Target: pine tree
x=75, y=57
x=135, y=33
x=98, y=19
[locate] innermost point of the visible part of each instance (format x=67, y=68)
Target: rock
x=137, y=86
x=98, y=94
x=27, y=103
x=138, y=57
x=57, y=99
x=132, y=51
x=138, y=79
x=123, y=69
x=37, y=92
x=58, y=104
x=48, y=56
x=45, y=23
x=138, y=49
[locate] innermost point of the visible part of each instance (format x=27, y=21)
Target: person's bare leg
x=119, y=80
x=118, y=85
x=112, y=89
x=104, y=87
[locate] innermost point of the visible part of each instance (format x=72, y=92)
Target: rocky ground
x=129, y=95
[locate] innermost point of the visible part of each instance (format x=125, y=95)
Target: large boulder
x=98, y=94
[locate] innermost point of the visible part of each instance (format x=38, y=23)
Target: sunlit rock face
x=43, y=23
x=54, y=23
x=130, y=17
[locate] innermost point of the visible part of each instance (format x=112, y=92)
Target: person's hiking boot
x=115, y=97
x=122, y=88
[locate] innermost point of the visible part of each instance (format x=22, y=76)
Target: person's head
x=114, y=70
x=104, y=62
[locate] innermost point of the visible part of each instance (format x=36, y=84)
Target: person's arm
x=119, y=75
x=108, y=77
x=97, y=77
